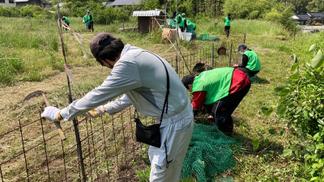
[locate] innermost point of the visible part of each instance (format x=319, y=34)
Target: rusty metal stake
x=24, y=151
x=64, y=162
x=45, y=150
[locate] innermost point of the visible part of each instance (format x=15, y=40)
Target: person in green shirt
x=219, y=91
x=88, y=21
x=182, y=21
x=67, y=22
x=250, y=61
x=227, y=27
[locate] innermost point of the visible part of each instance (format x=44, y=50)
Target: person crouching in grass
x=220, y=91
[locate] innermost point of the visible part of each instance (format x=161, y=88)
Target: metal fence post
x=1, y=175
x=105, y=145
x=177, y=64
x=79, y=150
x=45, y=150
x=64, y=161
x=244, y=38
x=89, y=148
x=24, y=151
x=75, y=122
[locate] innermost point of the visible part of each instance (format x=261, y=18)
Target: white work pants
x=176, y=134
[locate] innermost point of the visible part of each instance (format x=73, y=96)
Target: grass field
x=31, y=59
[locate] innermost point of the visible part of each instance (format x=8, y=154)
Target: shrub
x=301, y=104
x=34, y=75
x=281, y=14
x=184, y=6
x=314, y=157
x=25, y=11
x=270, y=10
x=9, y=11
x=247, y=8
x=302, y=99
x=110, y=15
x=9, y=68
x=151, y=4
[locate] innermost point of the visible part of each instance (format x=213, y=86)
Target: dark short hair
x=242, y=46
x=105, y=46
x=198, y=68
x=188, y=80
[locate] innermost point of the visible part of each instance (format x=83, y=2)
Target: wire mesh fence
x=34, y=151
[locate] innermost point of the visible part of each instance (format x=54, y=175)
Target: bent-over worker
x=220, y=91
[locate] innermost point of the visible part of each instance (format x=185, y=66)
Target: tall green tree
x=316, y=5
x=299, y=6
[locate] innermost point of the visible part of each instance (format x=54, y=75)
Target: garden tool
x=38, y=93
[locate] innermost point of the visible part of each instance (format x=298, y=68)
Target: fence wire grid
x=33, y=150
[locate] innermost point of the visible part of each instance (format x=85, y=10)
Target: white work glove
x=51, y=113
x=99, y=111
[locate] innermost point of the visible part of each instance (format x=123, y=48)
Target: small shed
x=149, y=20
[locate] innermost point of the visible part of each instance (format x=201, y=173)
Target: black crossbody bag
x=151, y=134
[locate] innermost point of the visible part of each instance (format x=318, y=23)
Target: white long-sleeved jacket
x=141, y=77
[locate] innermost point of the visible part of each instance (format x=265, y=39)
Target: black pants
x=227, y=30
x=223, y=109
x=90, y=26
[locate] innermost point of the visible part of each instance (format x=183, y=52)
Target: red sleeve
x=198, y=99
x=239, y=81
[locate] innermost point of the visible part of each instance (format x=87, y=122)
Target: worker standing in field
x=139, y=78
x=227, y=26
x=250, y=61
x=219, y=91
x=88, y=21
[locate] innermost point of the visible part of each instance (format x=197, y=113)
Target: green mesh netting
x=209, y=153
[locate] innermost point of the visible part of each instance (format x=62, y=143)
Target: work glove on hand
x=51, y=113
x=99, y=111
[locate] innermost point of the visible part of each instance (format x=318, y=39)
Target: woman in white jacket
x=139, y=77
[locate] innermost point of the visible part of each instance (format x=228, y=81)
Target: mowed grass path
x=264, y=136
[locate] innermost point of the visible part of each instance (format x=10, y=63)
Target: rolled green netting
x=209, y=153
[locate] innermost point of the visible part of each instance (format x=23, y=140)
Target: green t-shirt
x=87, y=19
x=216, y=83
x=254, y=62
x=227, y=21
x=66, y=20
x=180, y=20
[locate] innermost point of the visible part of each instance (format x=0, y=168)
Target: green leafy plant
x=143, y=175
x=9, y=68
x=302, y=99
x=301, y=104
x=315, y=157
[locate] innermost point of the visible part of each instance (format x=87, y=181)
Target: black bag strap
x=165, y=105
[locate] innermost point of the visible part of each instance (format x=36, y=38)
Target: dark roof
x=316, y=15
x=21, y=1
x=123, y=2
x=308, y=16
x=148, y=13
x=303, y=17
